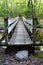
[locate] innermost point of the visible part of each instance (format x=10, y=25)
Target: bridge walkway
x=20, y=36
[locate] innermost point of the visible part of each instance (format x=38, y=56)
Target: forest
x=13, y=8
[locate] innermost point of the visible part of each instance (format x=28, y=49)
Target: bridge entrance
x=21, y=25
x=20, y=35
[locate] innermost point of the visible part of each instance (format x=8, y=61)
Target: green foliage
x=39, y=9
x=1, y=23
x=37, y=48
x=12, y=8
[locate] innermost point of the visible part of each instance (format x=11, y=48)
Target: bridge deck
x=20, y=35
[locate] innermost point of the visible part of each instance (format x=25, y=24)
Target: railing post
x=34, y=29
x=34, y=22
x=6, y=30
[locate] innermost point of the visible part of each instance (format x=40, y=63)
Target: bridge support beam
x=6, y=30
x=15, y=48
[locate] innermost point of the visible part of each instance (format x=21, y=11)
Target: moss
x=39, y=55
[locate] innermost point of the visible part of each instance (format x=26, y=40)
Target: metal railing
x=9, y=29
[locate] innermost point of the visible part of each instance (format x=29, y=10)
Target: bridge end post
x=34, y=29
x=6, y=30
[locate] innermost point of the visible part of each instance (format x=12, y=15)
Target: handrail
x=28, y=25
x=11, y=25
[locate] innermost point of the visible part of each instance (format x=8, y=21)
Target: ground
x=9, y=58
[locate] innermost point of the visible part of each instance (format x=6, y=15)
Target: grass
x=1, y=56
x=41, y=23
x=1, y=35
x=1, y=21
x=40, y=35
x=1, y=24
x=39, y=55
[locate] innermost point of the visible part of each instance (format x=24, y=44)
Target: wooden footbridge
x=20, y=35
x=18, y=32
